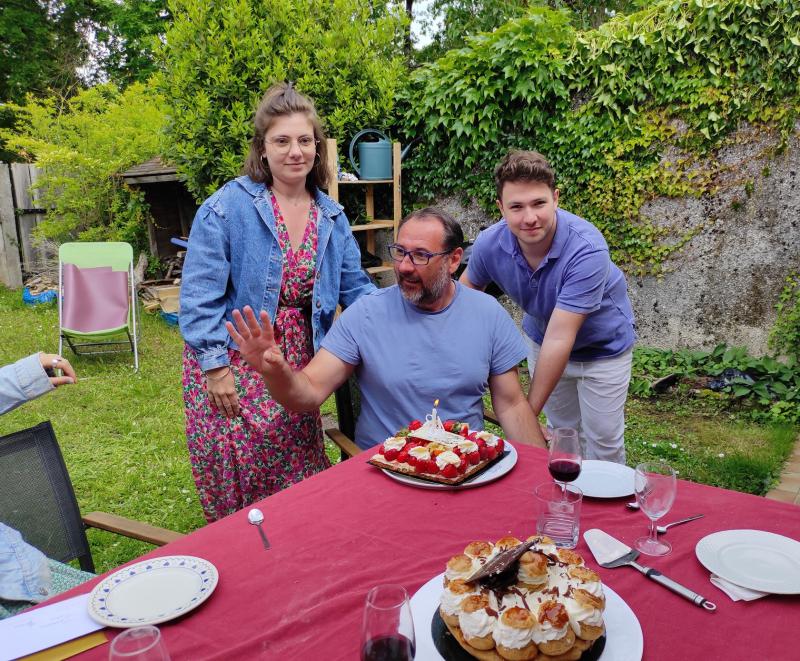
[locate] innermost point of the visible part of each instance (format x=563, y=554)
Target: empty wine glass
x=655, y=485
x=388, y=631
x=140, y=644
x=565, y=457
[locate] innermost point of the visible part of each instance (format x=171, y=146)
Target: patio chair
x=36, y=498
x=348, y=405
x=97, y=302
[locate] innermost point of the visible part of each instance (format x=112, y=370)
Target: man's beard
x=427, y=295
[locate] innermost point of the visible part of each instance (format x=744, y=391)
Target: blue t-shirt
x=406, y=357
x=576, y=275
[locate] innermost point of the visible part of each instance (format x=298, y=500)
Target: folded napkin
x=736, y=592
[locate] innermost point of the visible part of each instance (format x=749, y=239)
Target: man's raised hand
x=256, y=340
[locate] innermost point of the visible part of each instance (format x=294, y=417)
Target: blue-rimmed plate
x=152, y=591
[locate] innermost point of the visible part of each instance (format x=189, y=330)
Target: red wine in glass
x=565, y=456
x=388, y=648
x=564, y=470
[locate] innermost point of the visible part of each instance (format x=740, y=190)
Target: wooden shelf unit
x=369, y=190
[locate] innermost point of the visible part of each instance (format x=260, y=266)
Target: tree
x=448, y=22
x=220, y=57
x=127, y=34
x=42, y=46
x=81, y=145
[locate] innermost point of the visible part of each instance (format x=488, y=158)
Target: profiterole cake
x=515, y=601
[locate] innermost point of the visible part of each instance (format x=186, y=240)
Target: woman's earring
x=265, y=164
x=316, y=159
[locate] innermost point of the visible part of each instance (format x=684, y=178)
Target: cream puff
x=588, y=580
x=569, y=557
x=532, y=571
x=585, y=612
x=477, y=620
x=512, y=635
x=553, y=634
x=508, y=542
x=452, y=596
x=459, y=566
x=479, y=549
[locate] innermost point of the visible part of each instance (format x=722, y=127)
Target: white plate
x=494, y=472
x=605, y=479
x=754, y=559
x=152, y=591
x=624, y=640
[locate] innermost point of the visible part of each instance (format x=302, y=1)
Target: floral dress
x=238, y=461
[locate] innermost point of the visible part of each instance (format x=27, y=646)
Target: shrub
x=785, y=335
x=220, y=57
x=81, y=145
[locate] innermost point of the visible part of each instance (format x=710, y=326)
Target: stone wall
x=723, y=285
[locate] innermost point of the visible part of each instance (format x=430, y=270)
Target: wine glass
x=565, y=457
x=655, y=485
x=388, y=631
x=140, y=644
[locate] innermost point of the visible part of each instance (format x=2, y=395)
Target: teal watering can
x=374, y=158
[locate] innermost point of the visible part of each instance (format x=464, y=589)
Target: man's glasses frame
x=283, y=143
x=417, y=257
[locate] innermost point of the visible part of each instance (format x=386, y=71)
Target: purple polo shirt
x=576, y=275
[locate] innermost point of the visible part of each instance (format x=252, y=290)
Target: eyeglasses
x=418, y=257
x=283, y=143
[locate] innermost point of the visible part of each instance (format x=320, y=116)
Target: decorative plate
x=152, y=591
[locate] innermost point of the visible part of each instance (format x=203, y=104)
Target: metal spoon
x=256, y=517
x=662, y=529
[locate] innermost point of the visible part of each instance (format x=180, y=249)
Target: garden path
x=788, y=489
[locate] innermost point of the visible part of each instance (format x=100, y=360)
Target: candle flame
x=436, y=403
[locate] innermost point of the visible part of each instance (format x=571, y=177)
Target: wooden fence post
x=10, y=267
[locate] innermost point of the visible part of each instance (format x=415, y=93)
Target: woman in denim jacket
x=274, y=241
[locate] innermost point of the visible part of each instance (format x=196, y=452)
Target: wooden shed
x=171, y=205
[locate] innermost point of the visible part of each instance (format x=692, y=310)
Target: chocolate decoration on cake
x=501, y=562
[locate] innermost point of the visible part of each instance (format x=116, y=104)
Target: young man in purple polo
x=578, y=317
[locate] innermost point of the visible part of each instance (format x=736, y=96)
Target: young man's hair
x=453, y=234
x=528, y=166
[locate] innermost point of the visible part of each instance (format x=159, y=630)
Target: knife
x=610, y=553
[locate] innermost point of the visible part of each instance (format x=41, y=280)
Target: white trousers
x=590, y=397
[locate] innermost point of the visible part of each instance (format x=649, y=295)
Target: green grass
x=123, y=440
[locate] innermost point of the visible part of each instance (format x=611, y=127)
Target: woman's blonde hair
x=282, y=100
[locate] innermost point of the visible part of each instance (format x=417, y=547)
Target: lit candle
x=433, y=415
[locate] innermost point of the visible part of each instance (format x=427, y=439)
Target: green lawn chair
x=97, y=301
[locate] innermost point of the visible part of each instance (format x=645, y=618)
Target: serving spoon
x=256, y=517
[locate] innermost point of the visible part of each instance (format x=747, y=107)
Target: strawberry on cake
x=446, y=452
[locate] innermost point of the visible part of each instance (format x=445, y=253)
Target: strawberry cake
x=446, y=452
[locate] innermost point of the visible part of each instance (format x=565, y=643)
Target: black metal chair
x=36, y=498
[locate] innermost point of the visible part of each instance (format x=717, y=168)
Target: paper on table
x=44, y=627
x=736, y=592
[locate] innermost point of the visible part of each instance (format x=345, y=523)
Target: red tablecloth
x=339, y=533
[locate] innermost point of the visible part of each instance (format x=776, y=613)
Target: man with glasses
x=426, y=338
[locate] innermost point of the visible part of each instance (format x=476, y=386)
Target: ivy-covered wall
x=723, y=285
x=627, y=113
x=666, y=129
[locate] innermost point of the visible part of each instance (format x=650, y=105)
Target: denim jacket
x=234, y=259
x=24, y=572
x=22, y=381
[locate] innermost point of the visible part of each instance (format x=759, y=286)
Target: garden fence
x=19, y=214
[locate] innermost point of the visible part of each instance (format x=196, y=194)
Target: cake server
x=610, y=553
